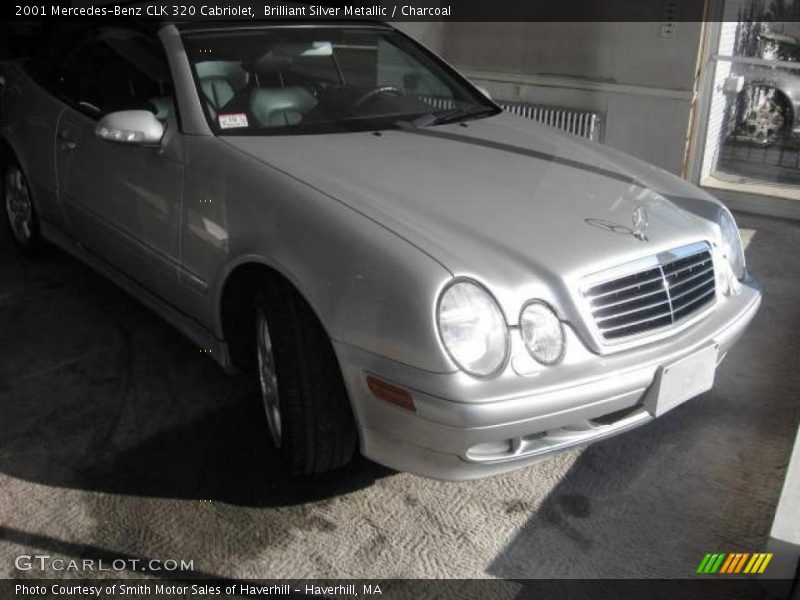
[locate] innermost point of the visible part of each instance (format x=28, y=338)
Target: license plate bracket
x=683, y=379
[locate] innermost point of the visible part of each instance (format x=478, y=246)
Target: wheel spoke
x=18, y=205
x=765, y=120
x=268, y=379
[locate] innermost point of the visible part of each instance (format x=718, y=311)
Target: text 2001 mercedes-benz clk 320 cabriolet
x=406, y=269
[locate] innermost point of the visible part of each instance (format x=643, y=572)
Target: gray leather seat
x=275, y=107
x=218, y=92
x=230, y=71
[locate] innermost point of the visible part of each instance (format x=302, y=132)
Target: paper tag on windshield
x=233, y=120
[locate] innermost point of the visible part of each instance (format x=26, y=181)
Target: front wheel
x=20, y=212
x=307, y=408
x=268, y=377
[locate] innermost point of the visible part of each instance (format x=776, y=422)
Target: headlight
x=472, y=328
x=732, y=244
x=542, y=332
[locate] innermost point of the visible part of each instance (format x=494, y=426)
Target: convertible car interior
x=315, y=83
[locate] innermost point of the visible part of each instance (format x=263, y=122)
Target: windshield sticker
x=233, y=120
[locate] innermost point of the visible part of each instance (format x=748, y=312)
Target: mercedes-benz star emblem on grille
x=638, y=218
x=640, y=222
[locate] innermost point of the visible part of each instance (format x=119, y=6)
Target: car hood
x=502, y=199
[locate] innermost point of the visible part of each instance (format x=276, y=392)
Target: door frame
x=705, y=89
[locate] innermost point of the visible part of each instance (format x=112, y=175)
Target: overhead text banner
x=408, y=10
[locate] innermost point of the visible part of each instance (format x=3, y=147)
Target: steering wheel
x=375, y=92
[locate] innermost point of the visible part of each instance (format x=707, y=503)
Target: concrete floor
x=118, y=438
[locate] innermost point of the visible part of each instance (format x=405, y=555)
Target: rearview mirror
x=319, y=49
x=134, y=127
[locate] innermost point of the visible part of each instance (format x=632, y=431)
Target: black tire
x=318, y=431
x=10, y=167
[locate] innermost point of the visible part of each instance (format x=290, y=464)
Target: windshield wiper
x=449, y=116
x=460, y=114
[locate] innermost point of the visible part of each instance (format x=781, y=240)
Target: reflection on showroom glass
x=753, y=143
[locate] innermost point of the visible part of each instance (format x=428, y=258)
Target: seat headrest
x=231, y=71
x=217, y=90
x=274, y=107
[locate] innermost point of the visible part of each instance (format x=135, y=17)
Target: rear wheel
x=20, y=213
x=306, y=404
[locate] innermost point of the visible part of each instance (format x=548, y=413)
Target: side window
x=117, y=69
x=57, y=48
x=71, y=77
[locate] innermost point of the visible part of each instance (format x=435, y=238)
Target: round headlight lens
x=543, y=333
x=472, y=328
x=732, y=244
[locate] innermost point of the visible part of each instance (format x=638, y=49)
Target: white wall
x=640, y=81
x=431, y=35
x=626, y=53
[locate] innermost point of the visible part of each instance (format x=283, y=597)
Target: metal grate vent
x=653, y=298
x=438, y=102
x=583, y=123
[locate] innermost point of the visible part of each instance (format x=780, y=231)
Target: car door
x=30, y=111
x=123, y=201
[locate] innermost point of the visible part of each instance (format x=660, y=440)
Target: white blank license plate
x=684, y=379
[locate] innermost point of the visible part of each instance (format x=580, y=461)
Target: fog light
x=491, y=448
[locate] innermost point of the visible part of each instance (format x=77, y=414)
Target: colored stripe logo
x=734, y=563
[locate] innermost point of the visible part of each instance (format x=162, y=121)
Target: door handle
x=67, y=143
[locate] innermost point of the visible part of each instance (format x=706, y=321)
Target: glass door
x=753, y=133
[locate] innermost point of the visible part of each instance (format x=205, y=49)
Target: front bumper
x=590, y=398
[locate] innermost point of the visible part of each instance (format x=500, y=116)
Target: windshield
x=301, y=80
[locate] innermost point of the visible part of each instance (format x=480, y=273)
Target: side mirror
x=133, y=127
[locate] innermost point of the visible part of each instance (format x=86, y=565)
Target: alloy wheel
x=764, y=123
x=18, y=205
x=268, y=378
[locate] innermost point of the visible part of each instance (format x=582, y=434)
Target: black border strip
x=656, y=11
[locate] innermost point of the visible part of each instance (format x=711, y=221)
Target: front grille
x=653, y=298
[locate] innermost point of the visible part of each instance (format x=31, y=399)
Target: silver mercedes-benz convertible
x=405, y=268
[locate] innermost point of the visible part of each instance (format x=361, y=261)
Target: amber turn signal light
x=391, y=393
